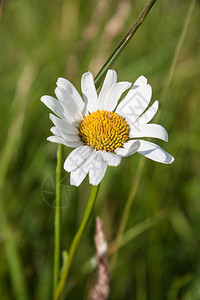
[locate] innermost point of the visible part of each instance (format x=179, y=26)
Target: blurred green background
x=42, y=40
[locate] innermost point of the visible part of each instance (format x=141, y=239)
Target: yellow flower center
x=104, y=130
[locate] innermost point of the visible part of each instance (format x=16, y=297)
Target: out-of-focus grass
x=40, y=41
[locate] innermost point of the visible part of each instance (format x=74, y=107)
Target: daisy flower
x=101, y=130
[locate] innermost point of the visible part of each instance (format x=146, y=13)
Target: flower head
x=101, y=130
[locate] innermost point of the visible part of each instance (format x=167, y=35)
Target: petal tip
x=87, y=74
x=172, y=160
x=66, y=167
x=42, y=98
x=156, y=103
x=58, y=81
x=141, y=80
x=72, y=182
x=49, y=139
x=45, y=99
x=51, y=116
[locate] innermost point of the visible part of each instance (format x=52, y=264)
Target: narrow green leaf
x=123, y=42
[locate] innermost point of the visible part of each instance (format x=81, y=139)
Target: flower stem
x=76, y=240
x=57, y=221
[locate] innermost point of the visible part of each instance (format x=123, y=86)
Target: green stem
x=124, y=41
x=57, y=222
x=76, y=240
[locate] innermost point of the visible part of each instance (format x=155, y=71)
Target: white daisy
x=101, y=131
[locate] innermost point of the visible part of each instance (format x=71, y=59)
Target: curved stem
x=57, y=221
x=76, y=240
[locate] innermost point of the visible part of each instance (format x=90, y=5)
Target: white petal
x=136, y=100
x=57, y=108
x=149, y=130
x=53, y=104
x=147, y=115
x=154, y=152
x=112, y=96
x=110, y=79
x=71, y=90
x=89, y=92
x=77, y=157
x=78, y=175
x=63, y=125
x=66, y=136
x=140, y=81
x=97, y=170
x=59, y=140
x=130, y=148
x=112, y=159
x=68, y=104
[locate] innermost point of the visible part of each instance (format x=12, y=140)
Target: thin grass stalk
x=178, y=50
x=57, y=224
x=127, y=209
x=124, y=41
x=76, y=240
x=136, y=230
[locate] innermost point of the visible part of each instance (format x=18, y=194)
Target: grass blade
x=124, y=42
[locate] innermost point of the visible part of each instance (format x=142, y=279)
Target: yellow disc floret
x=104, y=130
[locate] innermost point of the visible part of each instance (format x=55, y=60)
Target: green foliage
x=40, y=41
